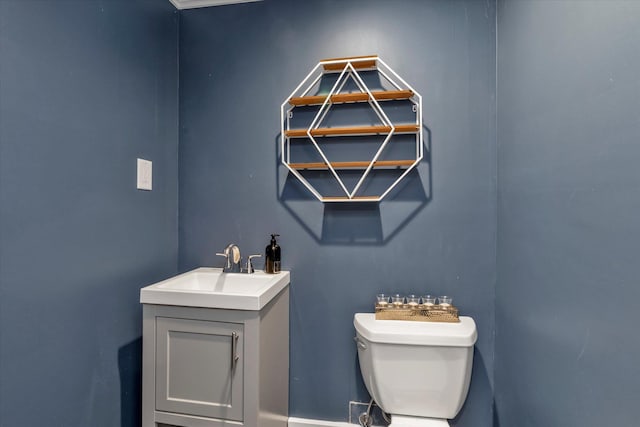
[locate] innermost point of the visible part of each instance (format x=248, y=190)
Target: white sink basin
x=211, y=288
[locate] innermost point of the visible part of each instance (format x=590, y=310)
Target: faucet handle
x=226, y=256
x=250, y=269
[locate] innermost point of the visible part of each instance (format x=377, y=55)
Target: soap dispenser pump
x=272, y=256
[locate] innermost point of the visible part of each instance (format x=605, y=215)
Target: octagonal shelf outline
x=348, y=68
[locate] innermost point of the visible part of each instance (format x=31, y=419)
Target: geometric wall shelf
x=351, y=130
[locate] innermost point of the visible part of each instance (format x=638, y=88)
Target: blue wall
x=237, y=65
x=88, y=86
x=569, y=232
x=85, y=88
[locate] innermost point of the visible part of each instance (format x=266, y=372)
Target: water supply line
x=365, y=419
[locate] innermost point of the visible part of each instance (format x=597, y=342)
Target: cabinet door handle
x=234, y=349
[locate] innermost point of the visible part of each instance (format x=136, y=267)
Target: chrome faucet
x=250, y=269
x=234, y=260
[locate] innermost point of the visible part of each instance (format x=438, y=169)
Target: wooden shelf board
x=355, y=130
x=358, y=62
x=349, y=58
x=340, y=98
x=339, y=66
x=354, y=165
x=307, y=100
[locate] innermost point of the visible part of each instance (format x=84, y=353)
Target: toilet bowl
x=419, y=372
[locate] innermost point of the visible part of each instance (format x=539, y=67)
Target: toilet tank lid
x=461, y=334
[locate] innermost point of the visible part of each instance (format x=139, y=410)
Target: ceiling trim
x=190, y=4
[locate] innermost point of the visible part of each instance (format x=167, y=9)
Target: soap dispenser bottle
x=272, y=256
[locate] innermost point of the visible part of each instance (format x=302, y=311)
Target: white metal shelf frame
x=348, y=69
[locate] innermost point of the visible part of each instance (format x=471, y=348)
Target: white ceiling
x=190, y=4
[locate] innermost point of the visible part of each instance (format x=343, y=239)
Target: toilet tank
x=413, y=368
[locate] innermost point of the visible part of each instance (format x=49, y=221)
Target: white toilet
x=419, y=372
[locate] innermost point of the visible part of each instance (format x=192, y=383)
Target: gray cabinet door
x=199, y=368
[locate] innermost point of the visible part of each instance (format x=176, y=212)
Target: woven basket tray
x=449, y=315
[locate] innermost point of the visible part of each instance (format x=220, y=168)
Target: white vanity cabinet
x=205, y=367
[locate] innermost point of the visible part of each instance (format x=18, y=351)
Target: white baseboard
x=303, y=422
